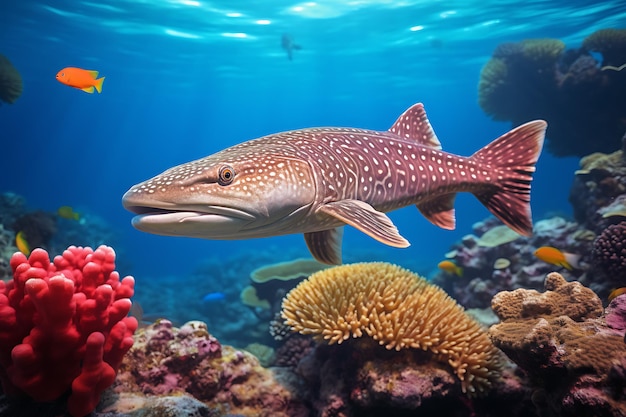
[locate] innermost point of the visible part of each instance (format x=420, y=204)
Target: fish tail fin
x=512, y=157
x=98, y=84
x=572, y=260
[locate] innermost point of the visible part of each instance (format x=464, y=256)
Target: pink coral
x=63, y=325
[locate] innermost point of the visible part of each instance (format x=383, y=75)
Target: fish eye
x=226, y=175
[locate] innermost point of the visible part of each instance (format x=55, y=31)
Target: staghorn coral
x=611, y=43
x=399, y=310
x=10, y=81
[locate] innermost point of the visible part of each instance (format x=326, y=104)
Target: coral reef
x=169, y=361
x=494, y=260
x=63, y=326
x=10, y=81
x=598, y=193
x=38, y=228
x=574, y=359
x=579, y=98
x=598, y=196
x=609, y=252
x=358, y=378
x=396, y=308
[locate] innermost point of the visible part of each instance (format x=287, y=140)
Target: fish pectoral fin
x=325, y=245
x=440, y=211
x=367, y=219
x=88, y=90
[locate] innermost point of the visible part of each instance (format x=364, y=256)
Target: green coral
x=491, y=88
x=543, y=52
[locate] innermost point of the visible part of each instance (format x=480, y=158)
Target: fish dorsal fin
x=94, y=74
x=367, y=219
x=325, y=245
x=414, y=124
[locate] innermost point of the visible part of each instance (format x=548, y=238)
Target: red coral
x=63, y=325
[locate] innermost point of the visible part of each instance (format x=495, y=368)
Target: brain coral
x=399, y=310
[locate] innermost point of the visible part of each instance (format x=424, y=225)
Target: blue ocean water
x=186, y=78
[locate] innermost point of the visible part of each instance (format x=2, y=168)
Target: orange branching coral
x=399, y=310
x=10, y=81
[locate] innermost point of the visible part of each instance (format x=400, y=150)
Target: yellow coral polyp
x=398, y=309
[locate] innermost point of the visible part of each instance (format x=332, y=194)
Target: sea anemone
x=399, y=310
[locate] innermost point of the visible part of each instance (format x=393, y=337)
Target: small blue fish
x=213, y=297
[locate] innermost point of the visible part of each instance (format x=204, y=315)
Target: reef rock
x=167, y=361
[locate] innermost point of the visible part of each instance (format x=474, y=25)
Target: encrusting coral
x=561, y=339
x=399, y=310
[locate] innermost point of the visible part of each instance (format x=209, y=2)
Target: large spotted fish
x=314, y=181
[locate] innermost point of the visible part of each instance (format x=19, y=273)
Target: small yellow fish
x=68, y=213
x=22, y=243
x=451, y=268
x=557, y=257
x=616, y=293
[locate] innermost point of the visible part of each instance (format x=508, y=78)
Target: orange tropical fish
x=616, y=293
x=85, y=80
x=557, y=257
x=451, y=268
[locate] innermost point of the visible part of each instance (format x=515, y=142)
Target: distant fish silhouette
x=67, y=212
x=289, y=45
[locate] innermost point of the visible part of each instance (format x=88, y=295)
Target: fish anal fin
x=368, y=220
x=88, y=90
x=325, y=245
x=440, y=211
x=414, y=124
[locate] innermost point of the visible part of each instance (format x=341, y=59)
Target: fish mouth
x=193, y=221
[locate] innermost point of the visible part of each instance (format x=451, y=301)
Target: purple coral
x=609, y=250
